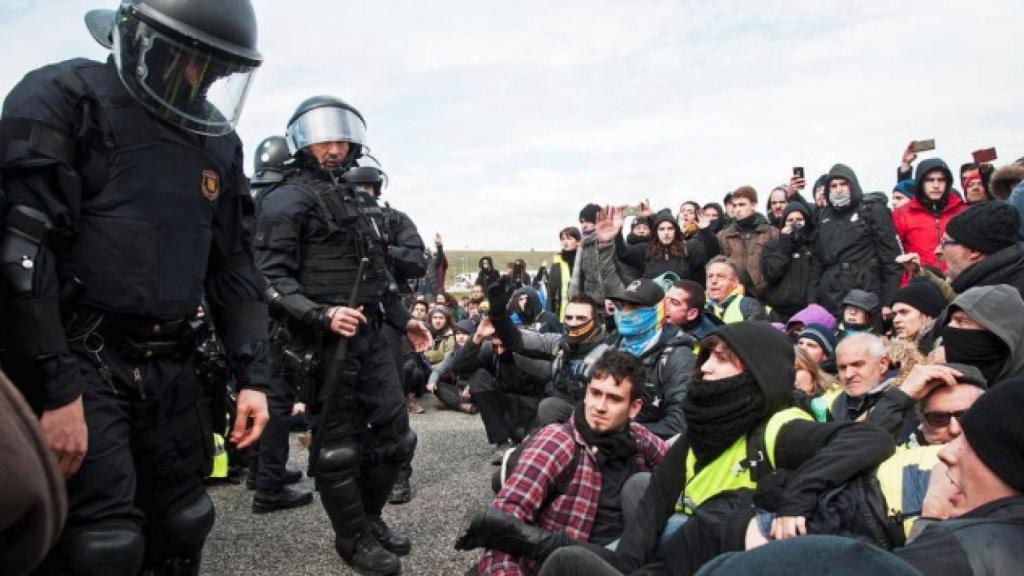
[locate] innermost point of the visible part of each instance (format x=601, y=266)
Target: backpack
x=510, y=460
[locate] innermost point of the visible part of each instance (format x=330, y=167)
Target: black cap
x=995, y=432
x=642, y=292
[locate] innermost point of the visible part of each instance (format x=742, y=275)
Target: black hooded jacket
x=533, y=316
x=857, y=246
x=485, y=278
x=689, y=265
x=790, y=265
x=821, y=456
x=1003, y=267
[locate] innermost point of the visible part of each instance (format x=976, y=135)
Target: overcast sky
x=497, y=121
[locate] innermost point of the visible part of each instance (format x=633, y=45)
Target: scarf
x=747, y=224
x=639, y=327
x=610, y=446
x=719, y=412
x=979, y=348
x=576, y=336
x=569, y=257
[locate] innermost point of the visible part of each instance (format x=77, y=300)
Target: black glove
x=498, y=296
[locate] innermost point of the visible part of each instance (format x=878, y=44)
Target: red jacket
x=920, y=231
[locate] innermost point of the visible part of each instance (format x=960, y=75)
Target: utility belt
x=135, y=338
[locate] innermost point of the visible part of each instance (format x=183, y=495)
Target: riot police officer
x=125, y=197
x=313, y=231
x=269, y=474
x=408, y=262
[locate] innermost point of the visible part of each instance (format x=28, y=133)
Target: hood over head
x=664, y=215
x=796, y=206
x=767, y=355
x=813, y=314
x=926, y=166
x=487, y=259
x=532, y=309
x=856, y=193
x=1000, y=310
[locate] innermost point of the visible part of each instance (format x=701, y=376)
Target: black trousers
x=150, y=447
x=367, y=437
x=397, y=346
x=506, y=415
x=269, y=456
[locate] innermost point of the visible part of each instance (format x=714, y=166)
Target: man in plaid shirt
x=600, y=447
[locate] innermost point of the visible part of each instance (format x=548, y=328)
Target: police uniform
x=119, y=222
x=312, y=233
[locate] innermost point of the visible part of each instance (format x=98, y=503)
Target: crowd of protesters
x=830, y=385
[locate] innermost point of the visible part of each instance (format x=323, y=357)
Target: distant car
x=463, y=282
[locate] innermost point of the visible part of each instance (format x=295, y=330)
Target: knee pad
x=102, y=550
x=338, y=459
x=405, y=446
x=183, y=532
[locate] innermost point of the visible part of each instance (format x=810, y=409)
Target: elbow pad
x=25, y=230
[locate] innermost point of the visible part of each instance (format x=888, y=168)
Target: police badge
x=211, y=185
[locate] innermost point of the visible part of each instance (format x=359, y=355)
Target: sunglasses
x=941, y=419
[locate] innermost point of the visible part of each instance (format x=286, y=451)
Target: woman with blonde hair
x=815, y=388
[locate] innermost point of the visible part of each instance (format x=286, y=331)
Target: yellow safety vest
x=220, y=458
x=725, y=472
x=564, y=277
x=733, y=313
x=903, y=478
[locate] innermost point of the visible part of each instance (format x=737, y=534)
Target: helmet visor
x=190, y=85
x=325, y=124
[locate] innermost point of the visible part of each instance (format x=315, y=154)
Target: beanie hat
x=589, y=213
x=922, y=295
x=822, y=336
x=906, y=187
x=995, y=432
x=811, y=554
x=465, y=326
x=987, y=227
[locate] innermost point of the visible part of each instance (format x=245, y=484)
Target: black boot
x=292, y=475
x=401, y=493
x=283, y=499
x=492, y=528
x=366, y=554
x=396, y=543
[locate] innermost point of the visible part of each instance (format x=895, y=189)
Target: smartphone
x=631, y=211
x=923, y=145
x=984, y=155
x=798, y=171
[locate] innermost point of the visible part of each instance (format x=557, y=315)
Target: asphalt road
x=451, y=474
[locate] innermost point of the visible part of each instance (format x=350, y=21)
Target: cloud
x=497, y=122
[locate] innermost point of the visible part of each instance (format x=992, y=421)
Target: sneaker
x=283, y=499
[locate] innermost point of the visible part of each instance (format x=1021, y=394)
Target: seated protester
x=529, y=313
x=863, y=363
x=937, y=395
x=820, y=343
x=812, y=314
x=789, y=264
x=477, y=293
x=861, y=312
x=725, y=299
x=572, y=353
x=984, y=327
x=441, y=328
x=981, y=248
x=744, y=240
x=451, y=390
x=640, y=230
x=419, y=310
x=815, y=389
x=684, y=308
x=914, y=309
x=708, y=475
x=667, y=250
x=505, y=386
x=448, y=301
x=596, y=452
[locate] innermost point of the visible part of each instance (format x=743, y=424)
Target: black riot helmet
x=367, y=172
x=326, y=119
x=190, y=62
x=271, y=161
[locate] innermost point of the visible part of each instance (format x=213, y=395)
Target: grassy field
x=470, y=258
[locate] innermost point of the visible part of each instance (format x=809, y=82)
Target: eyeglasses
x=948, y=242
x=941, y=419
x=571, y=318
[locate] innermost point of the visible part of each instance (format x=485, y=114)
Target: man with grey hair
x=862, y=363
x=725, y=294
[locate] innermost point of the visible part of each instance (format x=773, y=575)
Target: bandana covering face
x=639, y=327
x=839, y=199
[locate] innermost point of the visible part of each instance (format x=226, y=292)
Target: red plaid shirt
x=545, y=456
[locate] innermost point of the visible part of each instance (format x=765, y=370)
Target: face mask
x=638, y=327
x=979, y=348
x=576, y=335
x=839, y=199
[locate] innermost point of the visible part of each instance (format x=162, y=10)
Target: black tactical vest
x=348, y=228
x=151, y=190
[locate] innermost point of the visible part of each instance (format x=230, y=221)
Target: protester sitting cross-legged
x=684, y=307
x=915, y=308
x=861, y=312
x=452, y=391
x=570, y=482
x=742, y=428
x=820, y=344
x=863, y=366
